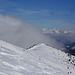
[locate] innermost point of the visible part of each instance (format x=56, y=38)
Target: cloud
x=33, y=12
x=46, y=14
x=6, y=3
x=1, y=10
x=61, y=24
x=9, y=21
x=7, y=7
x=22, y=34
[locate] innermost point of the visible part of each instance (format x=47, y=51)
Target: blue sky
x=42, y=13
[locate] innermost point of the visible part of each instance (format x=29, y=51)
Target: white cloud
x=33, y=13
x=9, y=20
x=21, y=34
x=6, y=3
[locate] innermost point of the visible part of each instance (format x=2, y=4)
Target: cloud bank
x=22, y=34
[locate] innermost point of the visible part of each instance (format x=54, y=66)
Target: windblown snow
x=37, y=60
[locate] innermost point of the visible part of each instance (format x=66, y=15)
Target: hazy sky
x=42, y=13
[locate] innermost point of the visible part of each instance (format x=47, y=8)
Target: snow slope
x=38, y=60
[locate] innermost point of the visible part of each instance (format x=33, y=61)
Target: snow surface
x=38, y=60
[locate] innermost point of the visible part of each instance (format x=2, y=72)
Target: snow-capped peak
x=68, y=31
x=55, y=30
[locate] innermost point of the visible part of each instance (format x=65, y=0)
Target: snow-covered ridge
x=38, y=60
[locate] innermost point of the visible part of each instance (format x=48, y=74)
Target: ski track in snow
x=38, y=60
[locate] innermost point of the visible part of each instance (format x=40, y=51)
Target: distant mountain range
x=67, y=38
x=55, y=30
